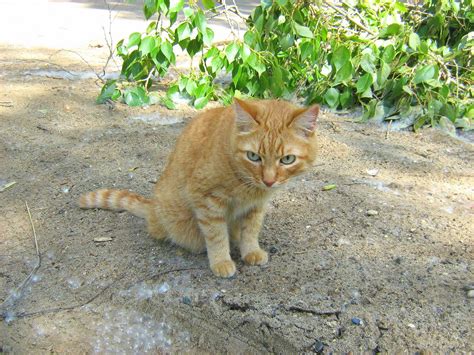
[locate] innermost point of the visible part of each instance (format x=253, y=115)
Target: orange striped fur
x=212, y=191
x=116, y=200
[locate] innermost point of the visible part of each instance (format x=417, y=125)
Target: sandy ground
x=341, y=277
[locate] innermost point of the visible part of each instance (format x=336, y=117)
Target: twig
x=314, y=311
x=82, y=58
x=97, y=295
x=66, y=308
x=20, y=288
x=346, y=15
x=109, y=41
x=388, y=129
x=7, y=186
x=6, y=103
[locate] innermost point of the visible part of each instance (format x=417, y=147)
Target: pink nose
x=269, y=183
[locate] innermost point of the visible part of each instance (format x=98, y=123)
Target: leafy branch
x=394, y=60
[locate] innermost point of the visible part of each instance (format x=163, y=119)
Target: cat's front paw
x=256, y=257
x=224, y=268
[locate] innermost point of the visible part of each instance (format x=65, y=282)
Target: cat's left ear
x=305, y=119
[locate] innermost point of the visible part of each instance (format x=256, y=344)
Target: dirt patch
x=340, y=278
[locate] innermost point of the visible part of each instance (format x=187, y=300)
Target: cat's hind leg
x=154, y=224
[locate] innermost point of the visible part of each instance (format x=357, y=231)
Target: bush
x=394, y=59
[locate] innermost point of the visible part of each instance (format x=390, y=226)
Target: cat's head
x=275, y=140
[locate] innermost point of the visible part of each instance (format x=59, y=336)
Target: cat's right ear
x=245, y=115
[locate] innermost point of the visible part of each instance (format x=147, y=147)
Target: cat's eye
x=253, y=156
x=288, y=159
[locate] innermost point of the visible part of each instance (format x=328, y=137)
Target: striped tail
x=117, y=200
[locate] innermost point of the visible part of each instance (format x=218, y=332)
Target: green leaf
x=208, y=4
x=149, y=8
x=344, y=73
x=346, y=98
x=367, y=63
x=282, y=2
x=306, y=50
x=420, y=122
x=188, y=12
x=200, y=102
x=388, y=54
x=364, y=83
x=254, y=62
x=245, y=52
x=176, y=5
x=191, y=86
x=332, y=97
x=167, y=50
x=266, y=3
x=303, y=31
x=367, y=94
x=134, y=39
x=147, y=45
x=391, y=30
x=216, y=63
x=200, y=21
x=168, y=103
x=329, y=187
x=340, y=57
x=250, y=38
x=208, y=36
x=231, y=51
x=287, y=41
x=424, y=74
x=414, y=41
x=183, y=31
x=136, y=96
x=408, y=90
x=258, y=66
x=383, y=73
x=107, y=91
x=424, y=47
x=447, y=125
x=277, y=84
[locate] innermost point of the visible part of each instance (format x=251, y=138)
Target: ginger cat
x=226, y=165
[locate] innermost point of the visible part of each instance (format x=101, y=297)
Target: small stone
x=273, y=250
x=470, y=294
x=164, y=288
x=318, y=346
x=373, y=172
x=187, y=300
x=411, y=325
x=216, y=296
x=372, y=213
x=382, y=325
x=357, y=321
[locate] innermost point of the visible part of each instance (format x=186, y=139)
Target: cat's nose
x=269, y=183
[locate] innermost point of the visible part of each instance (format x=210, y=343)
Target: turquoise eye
x=253, y=156
x=288, y=159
